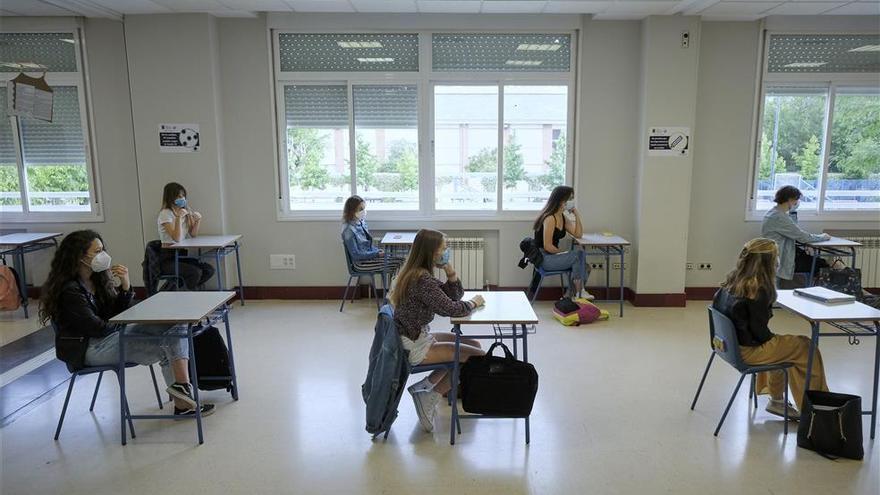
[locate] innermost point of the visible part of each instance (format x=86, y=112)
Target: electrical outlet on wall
x=705, y=266
x=689, y=266
x=282, y=261
x=616, y=266
x=597, y=266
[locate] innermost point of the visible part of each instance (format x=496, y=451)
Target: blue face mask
x=180, y=202
x=444, y=258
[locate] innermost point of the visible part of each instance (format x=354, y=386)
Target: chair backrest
x=724, y=343
x=151, y=266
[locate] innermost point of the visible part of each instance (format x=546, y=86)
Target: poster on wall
x=668, y=141
x=179, y=138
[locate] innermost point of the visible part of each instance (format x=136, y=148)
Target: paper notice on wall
x=29, y=97
x=179, y=138
x=668, y=141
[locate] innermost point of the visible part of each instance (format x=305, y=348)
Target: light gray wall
x=722, y=152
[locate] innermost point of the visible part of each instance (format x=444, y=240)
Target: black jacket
x=749, y=316
x=81, y=317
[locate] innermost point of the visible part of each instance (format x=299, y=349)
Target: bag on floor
x=10, y=297
x=498, y=386
x=573, y=312
x=841, y=278
x=212, y=360
x=803, y=261
x=831, y=425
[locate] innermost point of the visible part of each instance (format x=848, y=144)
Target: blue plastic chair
x=545, y=273
x=723, y=342
x=100, y=370
x=353, y=273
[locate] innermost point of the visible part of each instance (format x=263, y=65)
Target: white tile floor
x=611, y=417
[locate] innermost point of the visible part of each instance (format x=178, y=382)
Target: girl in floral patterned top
x=417, y=296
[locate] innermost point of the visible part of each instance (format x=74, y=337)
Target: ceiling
x=601, y=9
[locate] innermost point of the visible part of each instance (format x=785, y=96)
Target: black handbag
x=831, y=425
x=498, y=386
x=212, y=360
x=841, y=279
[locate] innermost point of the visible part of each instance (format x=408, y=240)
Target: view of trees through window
x=792, y=152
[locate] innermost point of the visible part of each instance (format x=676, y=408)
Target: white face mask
x=795, y=206
x=570, y=205
x=101, y=262
x=361, y=214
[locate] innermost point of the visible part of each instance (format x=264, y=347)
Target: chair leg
x=64, y=408
x=702, y=380
x=729, y=403
x=754, y=390
x=375, y=294
x=156, y=387
x=345, y=294
x=537, y=289
x=95, y=395
x=785, y=398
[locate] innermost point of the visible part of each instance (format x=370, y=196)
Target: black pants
x=194, y=272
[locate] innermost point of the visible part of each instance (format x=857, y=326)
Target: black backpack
x=212, y=360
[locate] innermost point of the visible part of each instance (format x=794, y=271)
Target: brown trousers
x=793, y=349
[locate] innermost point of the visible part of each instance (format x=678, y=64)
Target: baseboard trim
x=660, y=300
x=700, y=293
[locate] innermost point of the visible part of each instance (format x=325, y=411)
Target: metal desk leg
x=813, y=267
x=876, y=377
x=231, y=354
x=453, y=392
x=194, y=380
x=814, y=344
x=525, y=338
x=219, y=269
x=853, y=255
x=238, y=268
x=123, y=400
x=23, y=270
x=622, y=251
x=177, y=270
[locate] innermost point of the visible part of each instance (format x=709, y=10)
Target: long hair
x=419, y=262
x=557, y=198
x=65, y=267
x=171, y=191
x=350, y=208
x=755, y=270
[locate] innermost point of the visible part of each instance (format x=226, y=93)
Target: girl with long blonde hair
x=417, y=296
x=746, y=297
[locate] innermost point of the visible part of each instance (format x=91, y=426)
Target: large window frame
x=78, y=80
x=425, y=79
x=830, y=84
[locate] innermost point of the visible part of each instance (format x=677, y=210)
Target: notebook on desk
x=824, y=295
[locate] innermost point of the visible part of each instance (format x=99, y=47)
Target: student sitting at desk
x=558, y=219
x=780, y=225
x=359, y=242
x=176, y=223
x=746, y=297
x=417, y=296
x=81, y=294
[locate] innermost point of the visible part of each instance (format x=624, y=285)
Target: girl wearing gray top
x=781, y=226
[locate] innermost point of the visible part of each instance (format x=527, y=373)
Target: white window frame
x=79, y=80
x=831, y=82
x=424, y=80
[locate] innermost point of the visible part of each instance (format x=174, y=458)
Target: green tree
x=767, y=163
x=863, y=160
x=514, y=163
x=855, y=132
x=366, y=162
x=403, y=157
x=808, y=159
x=305, y=151
x=486, y=160
x=555, y=165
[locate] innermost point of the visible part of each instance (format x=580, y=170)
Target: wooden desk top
x=174, y=307
x=501, y=307
x=813, y=310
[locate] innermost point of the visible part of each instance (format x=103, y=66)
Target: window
x=49, y=158
x=493, y=109
x=820, y=123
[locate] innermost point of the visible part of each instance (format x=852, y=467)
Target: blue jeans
x=105, y=351
x=576, y=260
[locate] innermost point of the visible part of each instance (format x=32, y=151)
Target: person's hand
x=196, y=216
x=478, y=301
x=121, y=272
x=381, y=252
x=180, y=212
x=826, y=237
x=449, y=269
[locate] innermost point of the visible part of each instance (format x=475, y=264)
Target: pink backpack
x=10, y=297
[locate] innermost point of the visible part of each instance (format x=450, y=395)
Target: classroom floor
x=611, y=416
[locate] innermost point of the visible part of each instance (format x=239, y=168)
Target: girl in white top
x=176, y=223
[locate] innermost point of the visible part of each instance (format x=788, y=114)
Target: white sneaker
x=426, y=407
x=777, y=407
x=423, y=385
x=586, y=295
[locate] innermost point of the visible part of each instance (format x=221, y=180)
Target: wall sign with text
x=178, y=138
x=668, y=141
